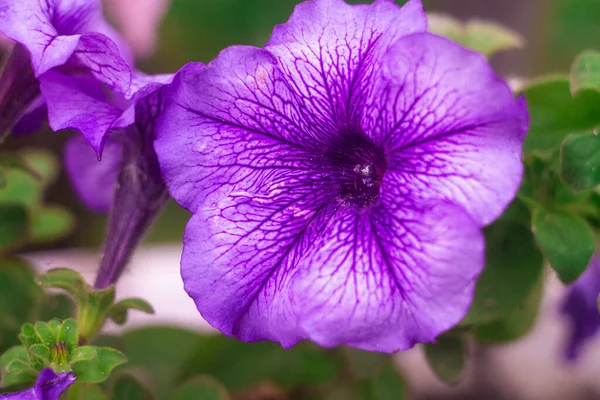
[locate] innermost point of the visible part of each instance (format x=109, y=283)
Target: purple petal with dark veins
x=59, y=32
x=329, y=50
x=313, y=217
x=386, y=279
x=49, y=386
x=452, y=128
x=94, y=181
x=580, y=307
x=79, y=103
x=238, y=94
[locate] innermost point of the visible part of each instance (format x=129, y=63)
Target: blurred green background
x=196, y=30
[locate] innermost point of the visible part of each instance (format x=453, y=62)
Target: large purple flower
x=49, y=386
x=339, y=178
x=68, y=34
x=121, y=131
x=580, y=307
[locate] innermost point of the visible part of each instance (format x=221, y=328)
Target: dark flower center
x=358, y=167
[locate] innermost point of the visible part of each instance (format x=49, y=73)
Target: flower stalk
x=139, y=196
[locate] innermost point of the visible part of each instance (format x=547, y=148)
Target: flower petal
x=49, y=386
x=79, y=103
x=33, y=120
x=93, y=180
x=328, y=51
x=101, y=57
x=236, y=101
x=53, y=31
x=385, y=280
x=580, y=306
x=452, y=128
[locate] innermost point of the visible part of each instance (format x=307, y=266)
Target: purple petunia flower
x=70, y=35
x=580, y=307
x=339, y=178
x=122, y=131
x=49, y=386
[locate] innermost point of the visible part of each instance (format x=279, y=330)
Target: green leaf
x=51, y=223
x=16, y=367
x=485, y=37
x=555, y=113
x=83, y=353
x=14, y=353
x=68, y=334
x=17, y=161
x=22, y=186
x=54, y=325
x=447, y=357
x=365, y=364
x=93, y=312
x=28, y=335
x=127, y=387
x=41, y=351
x=513, y=266
x=202, y=387
x=20, y=299
x=387, y=385
x=67, y=280
x=17, y=353
x=580, y=161
x=57, y=306
x=237, y=365
x=118, y=312
x=566, y=240
x=514, y=325
x=14, y=226
x=45, y=334
x=84, y=391
x=98, y=369
x=585, y=72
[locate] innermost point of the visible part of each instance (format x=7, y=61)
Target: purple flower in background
x=339, y=178
x=71, y=35
x=49, y=386
x=121, y=129
x=580, y=307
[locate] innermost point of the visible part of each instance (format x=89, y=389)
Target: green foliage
x=51, y=223
x=485, y=37
x=566, y=240
x=98, y=368
x=585, y=72
x=364, y=364
x=84, y=391
x=21, y=300
x=447, y=356
x=118, y=312
x=514, y=265
x=127, y=387
x=14, y=226
x=93, y=306
x=515, y=324
x=237, y=365
x=54, y=345
x=24, y=218
x=201, y=387
x=387, y=385
x=555, y=113
x=580, y=161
